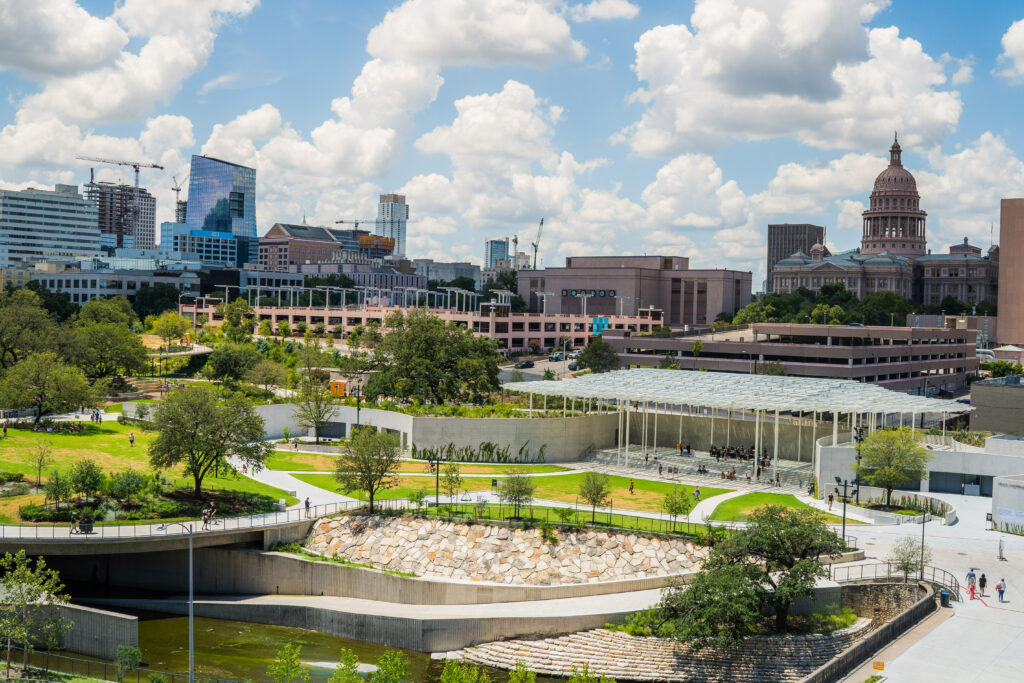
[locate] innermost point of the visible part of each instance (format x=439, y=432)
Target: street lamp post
x=924, y=520
x=435, y=464
x=845, y=484
x=858, y=436
x=565, y=341
x=191, y=603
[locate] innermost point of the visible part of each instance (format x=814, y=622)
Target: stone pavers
x=630, y=658
x=499, y=554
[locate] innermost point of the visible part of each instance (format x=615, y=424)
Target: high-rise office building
x=1011, y=272
x=126, y=216
x=787, y=239
x=222, y=199
x=495, y=249
x=39, y=224
x=180, y=210
x=392, y=213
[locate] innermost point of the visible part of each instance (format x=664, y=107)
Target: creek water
x=242, y=651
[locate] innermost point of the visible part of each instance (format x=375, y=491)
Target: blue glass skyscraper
x=222, y=199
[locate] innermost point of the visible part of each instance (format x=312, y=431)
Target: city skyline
x=631, y=127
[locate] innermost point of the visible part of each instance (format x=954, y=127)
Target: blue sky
x=632, y=127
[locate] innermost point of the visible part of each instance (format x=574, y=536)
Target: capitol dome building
x=893, y=255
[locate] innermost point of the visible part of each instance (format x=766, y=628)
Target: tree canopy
x=155, y=299
x=45, y=382
x=833, y=304
x=599, y=356
x=200, y=431
x=421, y=358
x=890, y=458
x=26, y=326
x=368, y=462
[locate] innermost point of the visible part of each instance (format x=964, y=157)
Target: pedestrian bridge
x=264, y=529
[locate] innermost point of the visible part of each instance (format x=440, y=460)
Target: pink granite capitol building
x=893, y=255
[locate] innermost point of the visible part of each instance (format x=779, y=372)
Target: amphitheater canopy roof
x=739, y=391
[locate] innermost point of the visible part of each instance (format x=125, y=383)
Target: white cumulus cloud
x=1012, y=56
x=604, y=9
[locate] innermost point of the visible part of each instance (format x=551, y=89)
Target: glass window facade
x=222, y=199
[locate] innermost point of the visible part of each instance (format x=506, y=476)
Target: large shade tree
x=422, y=358
x=200, y=431
x=599, y=356
x=25, y=326
x=45, y=382
x=368, y=462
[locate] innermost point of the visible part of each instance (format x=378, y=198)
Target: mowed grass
x=738, y=509
x=647, y=496
x=107, y=445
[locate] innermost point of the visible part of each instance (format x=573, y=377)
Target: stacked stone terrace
x=498, y=554
x=759, y=659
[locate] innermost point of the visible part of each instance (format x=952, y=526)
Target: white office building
x=39, y=224
x=392, y=213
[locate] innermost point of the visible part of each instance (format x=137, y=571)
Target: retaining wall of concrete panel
x=242, y=572
x=96, y=632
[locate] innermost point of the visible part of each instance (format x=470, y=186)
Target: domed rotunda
x=895, y=222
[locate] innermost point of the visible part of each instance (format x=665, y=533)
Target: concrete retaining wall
x=97, y=633
x=1008, y=503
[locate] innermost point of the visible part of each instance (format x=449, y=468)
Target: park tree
x=128, y=658
x=58, y=305
x=25, y=326
x=368, y=462
x=123, y=485
x=57, y=488
x=265, y=329
x=315, y=405
x=517, y=491
x=45, y=382
x=761, y=569
x=456, y=671
x=155, y=299
x=29, y=590
x=549, y=375
x=422, y=358
x=169, y=326
x=599, y=356
x=86, y=478
x=111, y=309
x=230, y=362
x=347, y=670
x=908, y=556
x=238, y=322
x=828, y=315
x=595, y=490
x=668, y=362
x=756, y=312
x=267, y=374
x=770, y=367
x=284, y=330
x=105, y=349
x=392, y=667
x=452, y=481
x=198, y=430
x=677, y=502
x=42, y=457
x=287, y=666
x=890, y=458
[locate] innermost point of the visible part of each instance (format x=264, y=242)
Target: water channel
x=242, y=651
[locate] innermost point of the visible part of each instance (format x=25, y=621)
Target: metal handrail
x=871, y=572
x=152, y=529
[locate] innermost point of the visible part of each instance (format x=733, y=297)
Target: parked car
x=524, y=364
x=574, y=354
x=574, y=365
x=556, y=356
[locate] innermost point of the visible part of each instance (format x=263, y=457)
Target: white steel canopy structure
x=742, y=392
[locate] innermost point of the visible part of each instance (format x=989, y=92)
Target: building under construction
x=116, y=206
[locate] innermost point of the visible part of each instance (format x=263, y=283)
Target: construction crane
x=136, y=213
x=177, y=188
x=536, y=244
x=355, y=223
x=513, y=257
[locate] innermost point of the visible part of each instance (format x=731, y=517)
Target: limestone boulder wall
x=499, y=554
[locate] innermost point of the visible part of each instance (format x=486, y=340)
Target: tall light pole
x=845, y=484
x=191, y=602
x=565, y=341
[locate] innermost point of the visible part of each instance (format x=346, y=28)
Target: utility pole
x=845, y=484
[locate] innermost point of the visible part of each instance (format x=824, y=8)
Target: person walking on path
x=971, y=580
x=830, y=499
x=131, y=439
x=1001, y=588
x=5, y=429
x=630, y=489
x=307, y=504
x=970, y=587
x=659, y=469
x=696, y=494
x=982, y=582
x=206, y=521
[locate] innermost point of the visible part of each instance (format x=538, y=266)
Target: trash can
x=944, y=598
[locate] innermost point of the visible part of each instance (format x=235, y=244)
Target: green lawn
x=739, y=508
x=646, y=496
x=320, y=462
x=107, y=445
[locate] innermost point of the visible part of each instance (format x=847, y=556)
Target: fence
x=888, y=572
x=174, y=528
x=47, y=661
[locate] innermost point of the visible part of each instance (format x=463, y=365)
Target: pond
x=242, y=651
